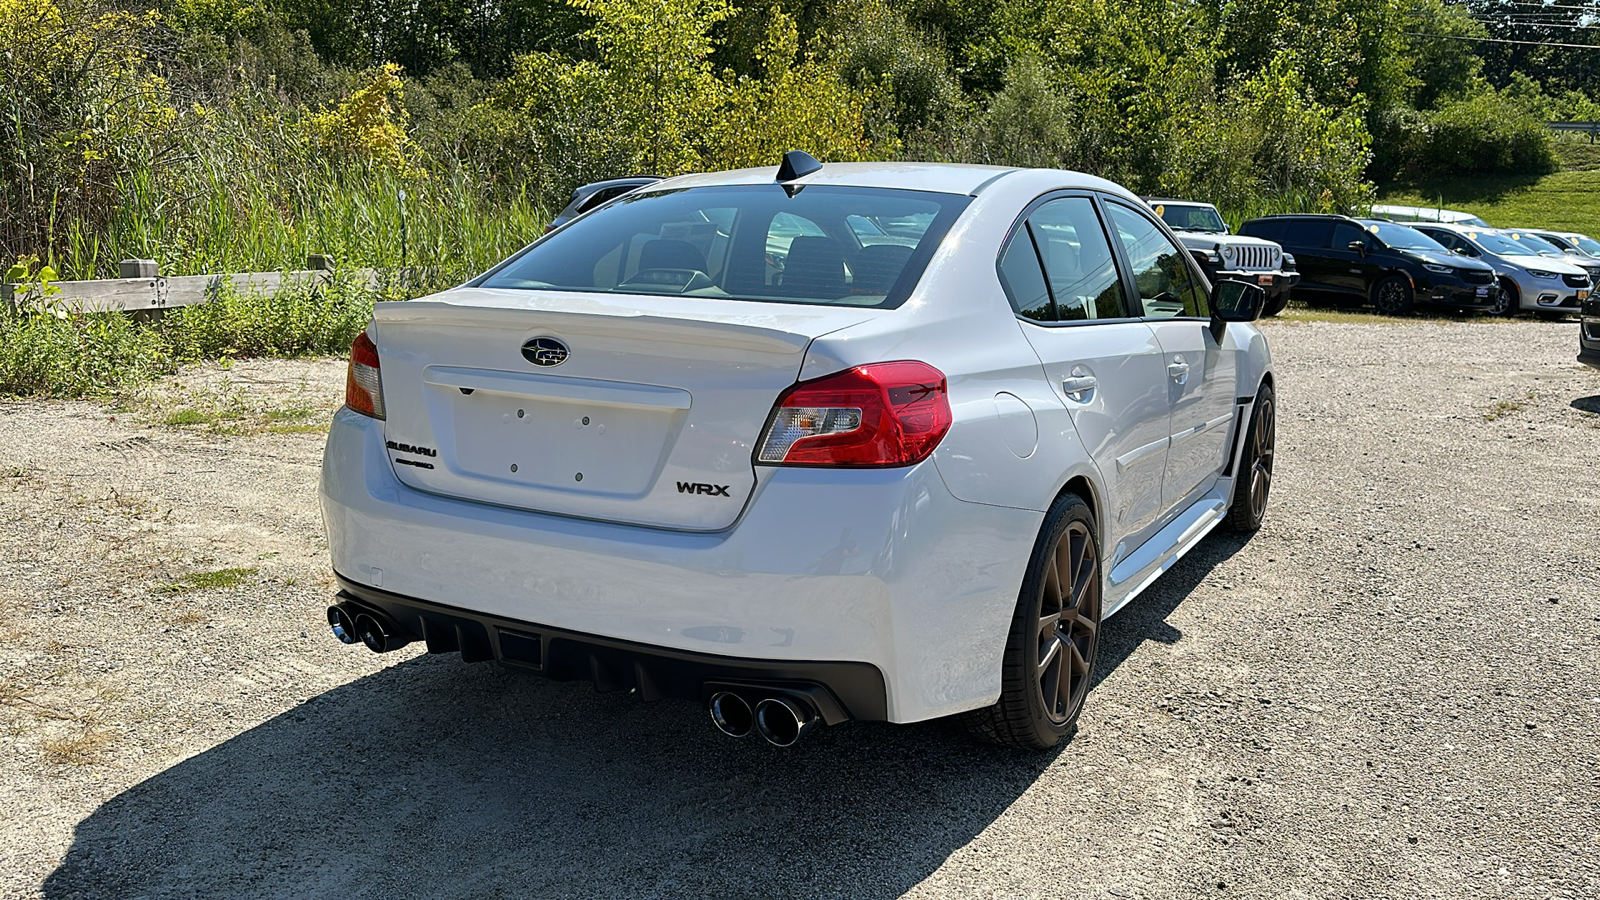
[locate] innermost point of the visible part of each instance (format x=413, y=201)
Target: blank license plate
x=1483, y=291
x=1264, y=279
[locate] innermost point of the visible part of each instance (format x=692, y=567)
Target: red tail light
x=883, y=414
x=363, y=389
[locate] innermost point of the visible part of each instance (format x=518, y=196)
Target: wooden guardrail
x=142, y=288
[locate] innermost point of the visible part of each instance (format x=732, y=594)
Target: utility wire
x=1489, y=40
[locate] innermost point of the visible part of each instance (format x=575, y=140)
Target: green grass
x=204, y=581
x=1568, y=200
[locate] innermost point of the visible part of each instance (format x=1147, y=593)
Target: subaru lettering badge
x=545, y=351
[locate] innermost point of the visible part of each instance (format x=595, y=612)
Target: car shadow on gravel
x=434, y=779
x=1145, y=619
x=1587, y=404
x=437, y=779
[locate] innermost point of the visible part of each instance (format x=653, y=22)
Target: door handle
x=1178, y=371
x=1078, y=387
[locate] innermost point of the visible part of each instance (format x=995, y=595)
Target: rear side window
x=1059, y=268
x=1309, y=233
x=1270, y=229
x=824, y=245
x=1167, y=286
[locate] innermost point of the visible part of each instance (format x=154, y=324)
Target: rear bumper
x=847, y=690
x=877, y=567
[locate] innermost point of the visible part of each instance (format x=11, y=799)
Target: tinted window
x=1167, y=286
x=1024, y=280
x=1308, y=233
x=1344, y=234
x=1077, y=260
x=1271, y=229
x=747, y=242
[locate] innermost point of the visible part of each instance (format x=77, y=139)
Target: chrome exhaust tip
x=344, y=627
x=731, y=714
x=783, y=721
x=377, y=634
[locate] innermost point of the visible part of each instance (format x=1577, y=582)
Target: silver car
x=906, y=471
x=1547, y=285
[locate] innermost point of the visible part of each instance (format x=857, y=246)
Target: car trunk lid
x=633, y=409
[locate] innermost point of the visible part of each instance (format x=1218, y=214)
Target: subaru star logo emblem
x=545, y=351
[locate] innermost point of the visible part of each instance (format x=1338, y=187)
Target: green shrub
x=1488, y=132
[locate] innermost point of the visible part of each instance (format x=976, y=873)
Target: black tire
x=1392, y=296
x=1060, y=626
x=1509, y=303
x=1276, y=303
x=1254, y=481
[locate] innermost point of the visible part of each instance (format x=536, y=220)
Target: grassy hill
x=1568, y=200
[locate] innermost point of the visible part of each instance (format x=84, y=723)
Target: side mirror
x=1235, y=301
x=1358, y=247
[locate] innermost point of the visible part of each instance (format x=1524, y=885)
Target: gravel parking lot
x=1392, y=690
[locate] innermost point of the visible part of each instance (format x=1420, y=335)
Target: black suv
x=1389, y=265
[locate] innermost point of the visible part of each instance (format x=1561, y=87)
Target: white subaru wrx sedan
x=878, y=441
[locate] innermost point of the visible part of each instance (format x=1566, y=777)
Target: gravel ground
x=1391, y=690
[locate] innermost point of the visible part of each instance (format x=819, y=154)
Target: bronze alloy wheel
x=1254, y=487
x=1069, y=622
x=1050, y=652
x=1264, y=435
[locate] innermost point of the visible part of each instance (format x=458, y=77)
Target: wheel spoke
x=1050, y=657
x=1079, y=665
x=1048, y=623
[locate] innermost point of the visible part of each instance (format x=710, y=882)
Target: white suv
x=876, y=441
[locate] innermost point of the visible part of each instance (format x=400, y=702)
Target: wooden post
x=137, y=268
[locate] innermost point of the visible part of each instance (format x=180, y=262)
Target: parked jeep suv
x=1392, y=266
x=1223, y=255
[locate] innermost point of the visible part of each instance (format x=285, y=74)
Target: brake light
x=883, y=414
x=363, y=389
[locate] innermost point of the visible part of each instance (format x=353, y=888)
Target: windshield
x=1539, y=245
x=1499, y=244
x=1587, y=244
x=1403, y=237
x=825, y=244
x=1191, y=218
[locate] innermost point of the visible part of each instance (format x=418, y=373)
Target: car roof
x=1176, y=200
x=1334, y=216
x=944, y=178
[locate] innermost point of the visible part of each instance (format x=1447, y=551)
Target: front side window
x=823, y=245
x=1167, y=286
x=1345, y=234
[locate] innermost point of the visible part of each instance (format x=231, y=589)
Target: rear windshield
x=826, y=244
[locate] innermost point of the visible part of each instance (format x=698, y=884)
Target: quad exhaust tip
x=352, y=625
x=344, y=627
x=377, y=634
x=783, y=721
x=731, y=714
